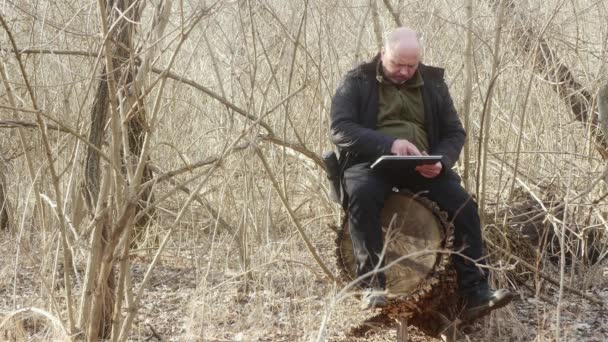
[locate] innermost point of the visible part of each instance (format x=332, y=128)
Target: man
x=396, y=105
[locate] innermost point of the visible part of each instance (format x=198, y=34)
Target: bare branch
x=25, y=124
x=393, y=13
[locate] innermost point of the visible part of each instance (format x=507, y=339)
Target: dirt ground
x=288, y=300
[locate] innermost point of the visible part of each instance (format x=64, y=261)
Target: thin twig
x=26, y=124
x=55, y=181
x=291, y=214
x=393, y=12
x=545, y=276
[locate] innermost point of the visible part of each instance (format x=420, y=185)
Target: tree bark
x=100, y=309
x=96, y=134
x=4, y=218
x=602, y=110
x=129, y=94
x=137, y=129
x=91, y=194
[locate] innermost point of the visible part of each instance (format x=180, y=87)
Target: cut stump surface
x=417, y=235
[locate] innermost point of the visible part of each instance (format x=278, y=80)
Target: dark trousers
x=367, y=190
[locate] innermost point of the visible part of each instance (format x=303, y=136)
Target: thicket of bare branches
x=187, y=133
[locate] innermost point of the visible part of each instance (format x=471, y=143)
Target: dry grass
x=261, y=74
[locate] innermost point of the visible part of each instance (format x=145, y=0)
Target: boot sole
x=377, y=304
x=483, y=310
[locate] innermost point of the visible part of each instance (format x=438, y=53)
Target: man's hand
x=429, y=170
x=402, y=147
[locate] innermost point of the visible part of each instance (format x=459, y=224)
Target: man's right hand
x=402, y=147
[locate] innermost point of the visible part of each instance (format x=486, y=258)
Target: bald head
x=400, y=55
x=402, y=38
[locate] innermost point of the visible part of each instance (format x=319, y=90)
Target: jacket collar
x=428, y=73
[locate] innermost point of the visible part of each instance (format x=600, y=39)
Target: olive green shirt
x=401, y=110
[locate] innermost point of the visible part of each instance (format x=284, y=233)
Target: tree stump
x=420, y=281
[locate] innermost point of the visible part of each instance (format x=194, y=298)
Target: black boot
x=482, y=300
x=373, y=298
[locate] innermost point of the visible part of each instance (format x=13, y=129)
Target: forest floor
x=187, y=302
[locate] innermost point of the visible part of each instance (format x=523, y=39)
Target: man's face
x=399, y=65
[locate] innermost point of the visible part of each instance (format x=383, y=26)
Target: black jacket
x=354, y=113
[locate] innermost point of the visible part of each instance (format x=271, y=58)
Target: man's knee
x=455, y=200
x=466, y=209
x=361, y=182
x=368, y=193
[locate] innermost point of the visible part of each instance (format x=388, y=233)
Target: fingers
x=422, y=169
x=430, y=170
x=424, y=173
x=428, y=174
x=403, y=147
x=414, y=149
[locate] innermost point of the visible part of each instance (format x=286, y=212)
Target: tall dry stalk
x=553, y=69
x=393, y=13
x=5, y=223
x=486, y=117
x=362, y=26
x=602, y=110
x=292, y=216
x=128, y=153
x=376, y=22
x=256, y=75
x=98, y=319
x=468, y=94
x=59, y=199
x=25, y=144
x=562, y=257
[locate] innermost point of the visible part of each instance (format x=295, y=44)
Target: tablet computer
x=403, y=162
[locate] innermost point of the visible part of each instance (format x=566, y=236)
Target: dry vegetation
x=208, y=210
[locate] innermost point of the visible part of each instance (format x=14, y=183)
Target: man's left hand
x=429, y=170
